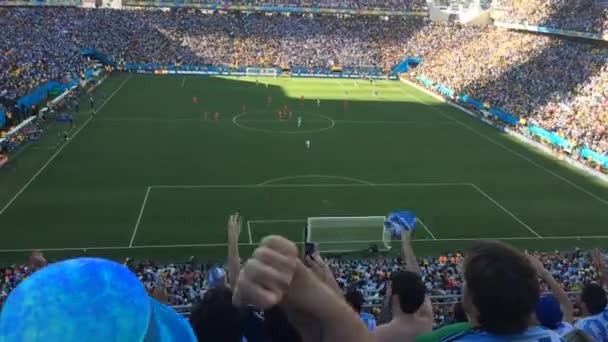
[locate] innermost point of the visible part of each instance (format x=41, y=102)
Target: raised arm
x=556, y=289
x=275, y=275
x=411, y=264
x=600, y=264
x=234, y=261
x=318, y=266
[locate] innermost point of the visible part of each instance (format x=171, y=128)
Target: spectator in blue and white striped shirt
x=593, y=305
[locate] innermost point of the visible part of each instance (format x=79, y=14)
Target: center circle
x=272, y=124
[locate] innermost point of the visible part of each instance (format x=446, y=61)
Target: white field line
x=350, y=179
x=10, y=202
x=141, y=213
x=183, y=81
x=506, y=211
x=354, y=122
x=276, y=221
x=96, y=248
x=499, y=144
x=427, y=229
x=305, y=185
x=249, y=231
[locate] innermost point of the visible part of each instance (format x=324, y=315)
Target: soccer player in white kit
x=299, y=121
x=318, y=102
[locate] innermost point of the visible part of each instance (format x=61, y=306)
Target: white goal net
x=272, y=72
x=350, y=233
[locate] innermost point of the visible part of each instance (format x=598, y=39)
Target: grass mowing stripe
x=10, y=202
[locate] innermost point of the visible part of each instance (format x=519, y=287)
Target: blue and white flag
x=215, y=277
x=398, y=221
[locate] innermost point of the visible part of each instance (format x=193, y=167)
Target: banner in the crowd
x=475, y=103
x=40, y=3
x=2, y=117
x=594, y=156
x=97, y=55
x=568, y=33
x=160, y=69
x=550, y=137
x=247, y=8
x=40, y=93
x=406, y=64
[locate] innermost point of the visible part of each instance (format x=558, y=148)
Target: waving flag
x=398, y=221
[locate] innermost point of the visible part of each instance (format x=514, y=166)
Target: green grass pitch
x=150, y=177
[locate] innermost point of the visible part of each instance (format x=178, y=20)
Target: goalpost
x=349, y=233
x=270, y=72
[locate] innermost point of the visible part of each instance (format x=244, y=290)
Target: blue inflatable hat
x=167, y=325
x=85, y=299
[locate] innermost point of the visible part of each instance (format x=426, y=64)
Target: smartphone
x=309, y=248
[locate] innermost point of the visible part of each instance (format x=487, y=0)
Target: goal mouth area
x=347, y=233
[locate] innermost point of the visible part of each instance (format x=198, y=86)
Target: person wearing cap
x=553, y=311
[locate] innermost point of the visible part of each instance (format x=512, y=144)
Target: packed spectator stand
x=557, y=83
x=186, y=282
x=579, y=15
x=390, y=5
x=523, y=73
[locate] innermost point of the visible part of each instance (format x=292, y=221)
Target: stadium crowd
x=186, y=283
x=391, y=5
x=187, y=37
x=555, y=83
x=500, y=289
x=579, y=15
x=522, y=73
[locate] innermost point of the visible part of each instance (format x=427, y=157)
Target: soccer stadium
x=359, y=170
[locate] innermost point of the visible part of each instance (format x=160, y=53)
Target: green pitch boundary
x=85, y=249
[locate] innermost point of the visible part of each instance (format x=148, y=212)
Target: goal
x=271, y=72
x=348, y=233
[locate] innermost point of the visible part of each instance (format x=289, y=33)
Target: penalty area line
x=426, y=228
x=484, y=194
x=141, y=213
